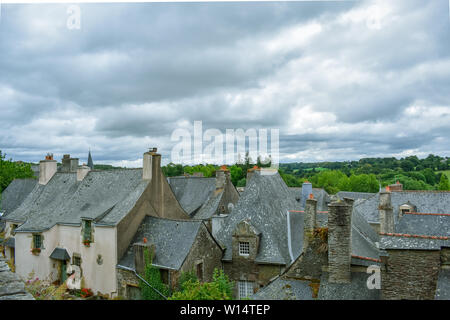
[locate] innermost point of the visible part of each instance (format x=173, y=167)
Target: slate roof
x=285, y=289
x=355, y=290
x=412, y=242
x=425, y=201
x=104, y=196
x=432, y=225
x=319, y=194
x=192, y=192
x=354, y=195
x=173, y=240
x=60, y=254
x=209, y=208
x=443, y=285
x=15, y=194
x=265, y=204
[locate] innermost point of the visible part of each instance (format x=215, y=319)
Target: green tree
x=236, y=174
x=10, y=170
x=444, y=183
x=153, y=276
x=221, y=288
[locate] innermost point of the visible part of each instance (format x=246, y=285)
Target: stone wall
x=206, y=251
x=11, y=286
x=244, y=269
x=410, y=274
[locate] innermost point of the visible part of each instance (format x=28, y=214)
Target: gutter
x=143, y=280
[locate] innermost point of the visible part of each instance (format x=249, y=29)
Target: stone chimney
x=69, y=164
x=221, y=177
x=386, y=213
x=340, y=241
x=139, y=257
x=306, y=191
x=82, y=172
x=47, y=168
x=309, y=221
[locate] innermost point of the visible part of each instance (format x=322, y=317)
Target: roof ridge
x=425, y=191
x=428, y=214
x=414, y=236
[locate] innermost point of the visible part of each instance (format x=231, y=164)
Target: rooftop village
x=90, y=227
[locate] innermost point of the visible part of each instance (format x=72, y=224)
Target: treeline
x=238, y=171
x=368, y=174
x=365, y=175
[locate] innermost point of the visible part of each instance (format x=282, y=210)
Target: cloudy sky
x=340, y=80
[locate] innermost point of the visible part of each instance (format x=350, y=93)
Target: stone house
x=86, y=218
x=206, y=199
x=337, y=249
x=177, y=245
x=261, y=239
x=412, y=252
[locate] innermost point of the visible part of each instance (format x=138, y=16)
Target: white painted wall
x=100, y=278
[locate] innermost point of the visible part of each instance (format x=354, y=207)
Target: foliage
x=185, y=277
x=218, y=289
x=10, y=170
x=86, y=292
x=444, y=183
x=242, y=182
x=43, y=290
x=153, y=276
x=11, y=265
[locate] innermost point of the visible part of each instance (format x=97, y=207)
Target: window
x=37, y=241
x=87, y=234
x=245, y=289
x=200, y=271
x=76, y=260
x=244, y=248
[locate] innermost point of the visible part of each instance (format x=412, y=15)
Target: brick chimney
x=69, y=164
x=395, y=187
x=340, y=241
x=47, y=169
x=306, y=191
x=386, y=213
x=309, y=221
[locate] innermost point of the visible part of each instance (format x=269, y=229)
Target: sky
x=341, y=80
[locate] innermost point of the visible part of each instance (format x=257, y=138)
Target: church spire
x=90, y=163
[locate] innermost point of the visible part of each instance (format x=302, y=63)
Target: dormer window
x=406, y=208
x=244, y=248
